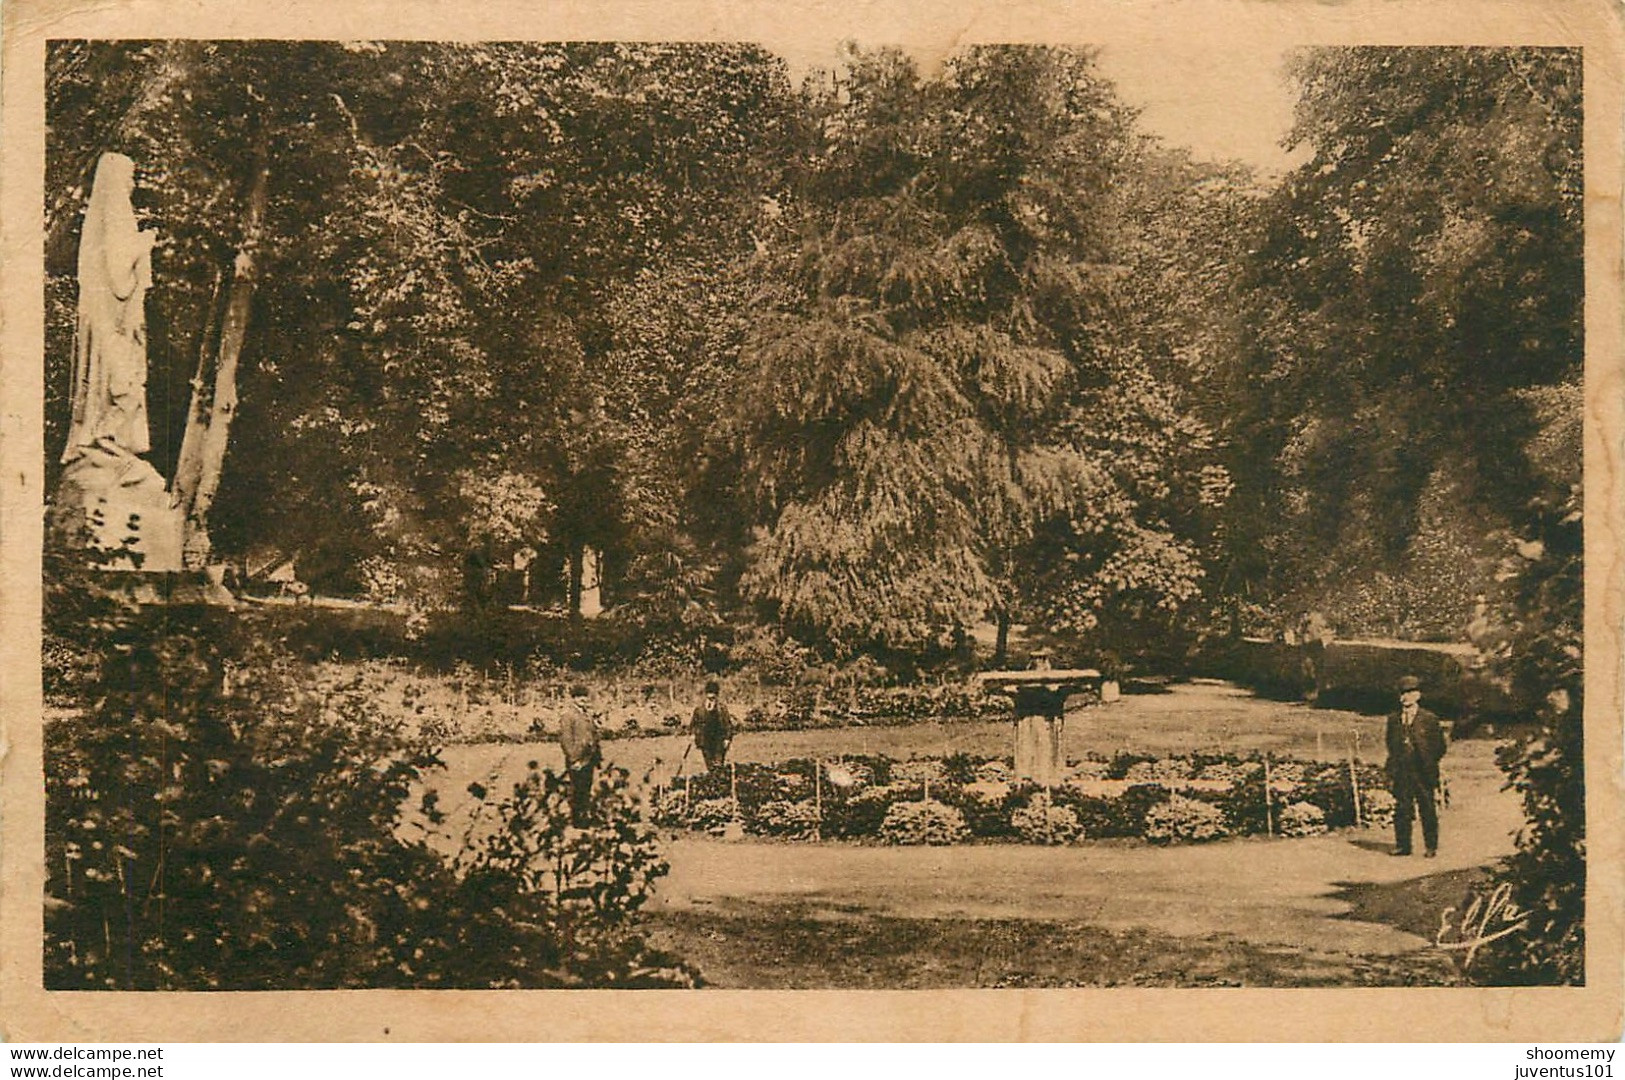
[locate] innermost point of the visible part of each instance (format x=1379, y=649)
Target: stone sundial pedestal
x=1040, y=697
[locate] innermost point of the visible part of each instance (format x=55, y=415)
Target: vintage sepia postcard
x=864, y=521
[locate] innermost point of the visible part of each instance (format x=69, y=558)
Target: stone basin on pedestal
x=1040, y=698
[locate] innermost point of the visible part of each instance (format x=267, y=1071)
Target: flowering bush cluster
x=1301, y=819
x=1043, y=822
x=1190, y=800
x=1158, y=771
x=919, y=771
x=924, y=822
x=1377, y=806
x=1184, y=819
x=791, y=820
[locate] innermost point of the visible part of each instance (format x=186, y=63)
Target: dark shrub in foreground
x=200, y=838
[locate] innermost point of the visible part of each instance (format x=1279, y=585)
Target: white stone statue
x=110, y=346
x=110, y=498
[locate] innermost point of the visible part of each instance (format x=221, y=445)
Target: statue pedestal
x=115, y=508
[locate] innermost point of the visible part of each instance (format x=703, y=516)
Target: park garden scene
x=668, y=516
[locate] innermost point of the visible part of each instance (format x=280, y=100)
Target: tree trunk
x=189, y=463
x=1001, y=643
x=201, y=472
x=576, y=554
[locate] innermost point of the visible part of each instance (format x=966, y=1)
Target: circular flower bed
x=1172, y=800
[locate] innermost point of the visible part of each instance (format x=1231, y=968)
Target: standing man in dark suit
x=1415, y=744
x=713, y=728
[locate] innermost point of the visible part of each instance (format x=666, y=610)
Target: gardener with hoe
x=713, y=728
x=1415, y=744
x=578, y=737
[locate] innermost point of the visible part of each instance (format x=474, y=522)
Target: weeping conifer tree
x=913, y=398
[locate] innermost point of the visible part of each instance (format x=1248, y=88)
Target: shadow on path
x=1415, y=905
x=1368, y=844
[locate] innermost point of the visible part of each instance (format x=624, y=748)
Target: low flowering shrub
x=669, y=807
x=754, y=783
x=1042, y=822
x=1089, y=769
x=995, y=771
x=1243, y=804
x=1160, y=771
x=711, y=815
x=1184, y=819
x=1377, y=807
x=925, y=822
x=919, y=771
x=986, y=806
x=848, y=775
x=791, y=820
x=860, y=813
x=1329, y=788
x=1301, y=819
x=1231, y=772
x=1123, y=761
x=1093, y=788
x=987, y=792
x=1289, y=772
x=1281, y=787
x=690, y=808
x=795, y=785
x=962, y=768
x=1120, y=814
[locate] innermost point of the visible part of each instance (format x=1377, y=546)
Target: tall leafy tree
x=935, y=406
x=301, y=249
x=1410, y=406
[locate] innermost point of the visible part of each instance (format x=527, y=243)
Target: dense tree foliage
x=1410, y=407
x=1414, y=289
x=433, y=271
x=889, y=354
